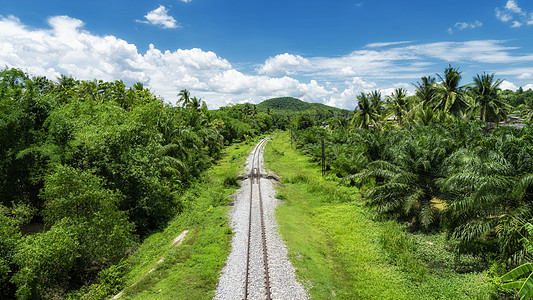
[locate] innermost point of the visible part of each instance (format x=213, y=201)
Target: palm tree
x=527, y=108
x=195, y=103
x=521, y=277
x=365, y=115
x=184, y=97
x=487, y=97
x=398, y=104
x=376, y=102
x=480, y=178
x=425, y=90
x=407, y=175
x=450, y=96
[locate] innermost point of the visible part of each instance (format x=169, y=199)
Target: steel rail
x=255, y=173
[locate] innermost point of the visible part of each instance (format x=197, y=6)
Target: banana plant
x=515, y=279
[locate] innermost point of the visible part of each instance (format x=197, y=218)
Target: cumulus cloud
x=525, y=75
x=513, y=7
x=380, y=45
x=283, y=64
x=528, y=87
x=160, y=17
x=64, y=47
x=465, y=25
x=512, y=12
x=506, y=85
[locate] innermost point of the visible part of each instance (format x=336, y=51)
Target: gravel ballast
x=283, y=282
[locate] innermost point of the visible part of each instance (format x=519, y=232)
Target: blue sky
x=248, y=51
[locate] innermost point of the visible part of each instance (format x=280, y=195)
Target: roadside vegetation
x=341, y=251
x=91, y=169
x=444, y=164
x=425, y=195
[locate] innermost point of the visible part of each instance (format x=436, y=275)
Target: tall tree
x=185, y=97
x=450, y=97
x=376, y=102
x=425, y=90
x=365, y=114
x=487, y=97
x=398, y=104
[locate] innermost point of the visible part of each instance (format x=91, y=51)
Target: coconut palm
x=487, y=97
x=425, y=90
x=450, y=96
x=195, y=103
x=365, y=115
x=184, y=99
x=398, y=104
x=376, y=102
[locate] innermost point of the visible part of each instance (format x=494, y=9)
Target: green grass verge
x=341, y=252
x=190, y=270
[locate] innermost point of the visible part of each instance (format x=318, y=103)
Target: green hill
x=295, y=105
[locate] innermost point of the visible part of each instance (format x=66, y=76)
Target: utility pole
x=323, y=158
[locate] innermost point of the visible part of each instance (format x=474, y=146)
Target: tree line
x=441, y=161
x=95, y=166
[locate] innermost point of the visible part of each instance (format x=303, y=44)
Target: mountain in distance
x=295, y=105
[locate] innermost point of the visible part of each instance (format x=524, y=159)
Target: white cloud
x=380, y=45
x=502, y=15
x=528, y=87
x=466, y=25
x=525, y=75
x=66, y=48
x=506, y=85
x=283, y=64
x=160, y=17
x=513, y=7
x=186, y=1
x=512, y=12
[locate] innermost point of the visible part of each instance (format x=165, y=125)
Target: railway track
x=257, y=266
x=255, y=181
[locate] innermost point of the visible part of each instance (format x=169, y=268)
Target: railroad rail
x=255, y=178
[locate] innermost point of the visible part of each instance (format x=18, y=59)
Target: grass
x=190, y=270
x=341, y=252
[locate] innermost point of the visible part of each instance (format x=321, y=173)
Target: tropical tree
x=407, y=186
x=527, y=108
x=487, y=97
x=450, y=96
x=398, y=104
x=195, y=103
x=425, y=90
x=365, y=114
x=376, y=102
x=521, y=277
x=184, y=98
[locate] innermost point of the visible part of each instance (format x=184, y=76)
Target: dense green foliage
x=341, y=252
x=97, y=167
x=439, y=162
x=286, y=110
